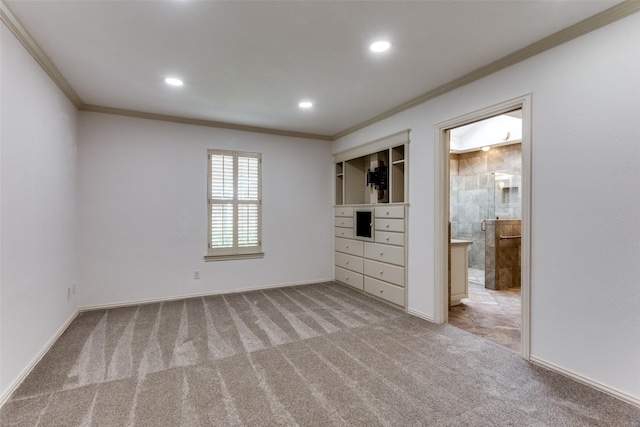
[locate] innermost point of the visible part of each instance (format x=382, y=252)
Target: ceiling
x=249, y=63
x=503, y=129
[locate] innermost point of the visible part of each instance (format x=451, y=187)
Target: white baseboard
x=27, y=370
x=586, y=381
x=421, y=315
x=198, y=295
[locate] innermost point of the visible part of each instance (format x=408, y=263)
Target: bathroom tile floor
x=493, y=315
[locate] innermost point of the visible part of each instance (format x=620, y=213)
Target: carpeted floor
x=315, y=355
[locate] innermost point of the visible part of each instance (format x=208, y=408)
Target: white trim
x=619, y=11
x=421, y=315
x=616, y=12
x=199, y=295
x=30, y=44
x=383, y=143
x=235, y=251
x=501, y=144
x=27, y=370
x=442, y=148
x=252, y=255
x=586, y=381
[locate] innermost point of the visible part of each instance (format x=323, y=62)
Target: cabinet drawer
x=344, y=222
x=351, y=247
x=384, y=253
x=384, y=290
x=349, y=262
x=344, y=232
x=389, y=212
x=385, y=224
x=389, y=238
x=342, y=211
x=387, y=272
x=349, y=278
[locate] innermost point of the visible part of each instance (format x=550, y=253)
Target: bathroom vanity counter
x=459, y=270
x=458, y=242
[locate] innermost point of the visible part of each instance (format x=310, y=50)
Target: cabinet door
x=349, y=262
x=459, y=273
x=386, y=272
x=384, y=253
x=349, y=278
x=344, y=222
x=384, y=290
x=348, y=246
x=343, y=211
x=389, y=211
x=343, y=232
x=385, y=224
x=389, y=238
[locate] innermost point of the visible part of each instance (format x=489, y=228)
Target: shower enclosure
x=477, y=201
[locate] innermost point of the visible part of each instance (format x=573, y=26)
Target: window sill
x=209, y=258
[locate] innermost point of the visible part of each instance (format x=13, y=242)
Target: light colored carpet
x=315, y=355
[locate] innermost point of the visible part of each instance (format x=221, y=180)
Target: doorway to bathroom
x=485, y=212
x=484, y=267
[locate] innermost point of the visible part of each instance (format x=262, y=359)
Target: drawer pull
x=381, y=291
x=387, y=212
x=381, y=253
x=347, y=246
x=381, y=272
x=342, y=223
x=346, y=278
x=387, y=225
x=387, y=239
x=342, y=234
x=347, y=262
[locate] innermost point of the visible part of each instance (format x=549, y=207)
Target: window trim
x=236, y=251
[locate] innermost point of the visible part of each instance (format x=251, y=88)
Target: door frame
x=442, y=149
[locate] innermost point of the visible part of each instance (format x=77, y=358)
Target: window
x=235, y=206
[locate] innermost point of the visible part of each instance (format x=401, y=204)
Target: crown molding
x=37, y=53
x=619, y=11
x=200, y=122
x=615, y=13
x=30, y=44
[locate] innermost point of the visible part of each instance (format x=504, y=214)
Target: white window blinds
x=234, y=203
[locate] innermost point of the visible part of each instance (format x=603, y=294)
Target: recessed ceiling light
x=305, y=104
x=173, y=81
x=380, y=46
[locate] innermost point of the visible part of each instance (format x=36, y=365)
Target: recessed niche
x=510, y=195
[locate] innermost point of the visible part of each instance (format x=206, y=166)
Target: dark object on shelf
x=378, y=177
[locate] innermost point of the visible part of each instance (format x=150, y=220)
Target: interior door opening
x=483, y=221
x=485, y=213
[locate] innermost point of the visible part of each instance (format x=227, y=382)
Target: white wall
x=585, y=200
x=143, y=210
x=38, y=209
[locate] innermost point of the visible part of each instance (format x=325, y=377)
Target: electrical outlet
x=196, y=274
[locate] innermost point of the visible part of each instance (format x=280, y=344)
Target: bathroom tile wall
x=503, y=263
x=477, y=181
x=453, y=194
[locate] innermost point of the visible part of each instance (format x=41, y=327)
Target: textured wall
x=476, y=193
x=142, y=199
x=38, y=205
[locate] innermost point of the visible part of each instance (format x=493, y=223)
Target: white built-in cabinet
x=459, y=270
x=376, y=265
